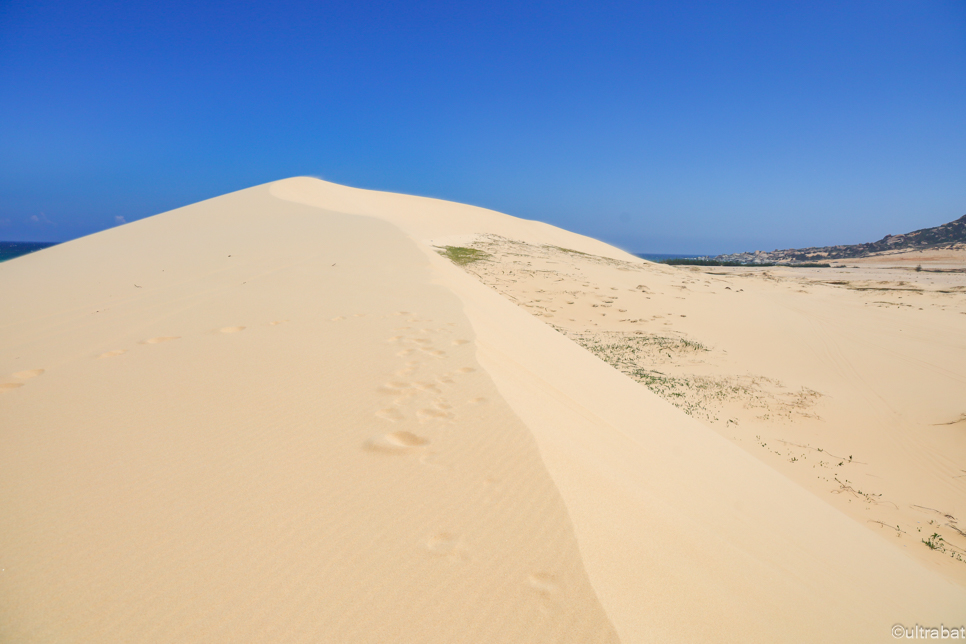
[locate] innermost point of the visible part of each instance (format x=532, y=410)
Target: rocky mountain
x=948, y=235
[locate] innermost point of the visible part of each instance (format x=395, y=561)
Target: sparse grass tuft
x=935, y=542
x=461, y=255
x=570, y=250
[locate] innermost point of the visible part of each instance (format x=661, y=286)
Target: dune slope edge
x=683, y=535
x=252, y=420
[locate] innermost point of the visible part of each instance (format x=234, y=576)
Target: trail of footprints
x=421, y=402
x=21, y=376
x=406, y=391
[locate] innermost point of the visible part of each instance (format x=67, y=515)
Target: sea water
x=9, y=250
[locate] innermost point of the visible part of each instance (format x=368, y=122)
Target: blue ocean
x=9, y=250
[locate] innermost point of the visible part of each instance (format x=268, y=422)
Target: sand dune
x=849, y=381
x=282, y=415
x=950, y=258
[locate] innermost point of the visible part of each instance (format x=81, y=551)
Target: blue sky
x=679, y=126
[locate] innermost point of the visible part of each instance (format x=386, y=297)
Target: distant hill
x=948, y=235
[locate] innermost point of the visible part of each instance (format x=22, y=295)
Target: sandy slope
x=952, y=257
x=849, y=381
x=265, y=417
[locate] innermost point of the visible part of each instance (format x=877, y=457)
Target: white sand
x=280, y=415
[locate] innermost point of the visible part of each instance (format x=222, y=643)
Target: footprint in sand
x=543, y=582
x=25, y=375
x=402, y=391
x=432, y=414
x=277, y=322
x=336, y=319
x=446, y=544
x=459, y=342
x=476, y=401
x=405, y=439
x=391, y=413
x=399, y=442
x=231, y=329
x=465, y=370
x=111, y=354
x=442, y=543
x=5, y=386
x=160, y=339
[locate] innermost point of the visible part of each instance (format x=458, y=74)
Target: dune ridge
x=337, y=467
x=281, y=414
x=694, y=499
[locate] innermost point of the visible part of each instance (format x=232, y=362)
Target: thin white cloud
x=119, y=220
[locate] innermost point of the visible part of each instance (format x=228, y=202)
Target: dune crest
x=411, y=456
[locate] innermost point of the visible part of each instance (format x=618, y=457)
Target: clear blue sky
x=658, y=126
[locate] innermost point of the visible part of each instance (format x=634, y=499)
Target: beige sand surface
x=850, y=381
x=280, y=415
x=951, y=257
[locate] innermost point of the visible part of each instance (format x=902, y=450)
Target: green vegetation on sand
x=462, y=255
